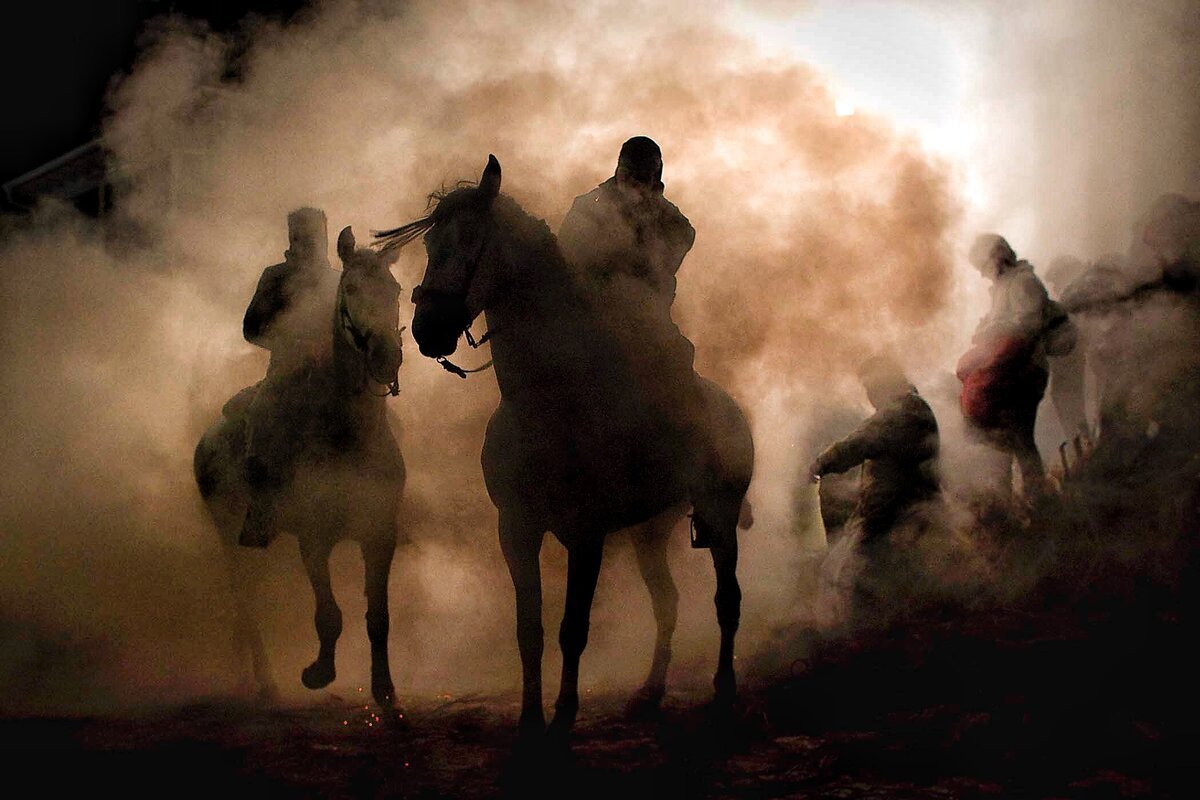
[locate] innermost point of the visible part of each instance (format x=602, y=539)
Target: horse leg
x=721, y=528
x=328, y=617
x=583, y=569
x=521, y=543
x=243, y=578
x=377, y=564
x=650, y=546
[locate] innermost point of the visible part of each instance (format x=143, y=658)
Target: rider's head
x=884, y=380
x=308, y=238
x=640, y=166
x=992, y=255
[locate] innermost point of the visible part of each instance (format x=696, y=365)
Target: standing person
x=1004, y=374
x=897, y=446
x=291, y=315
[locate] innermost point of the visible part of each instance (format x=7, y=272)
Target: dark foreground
x=1004, y=703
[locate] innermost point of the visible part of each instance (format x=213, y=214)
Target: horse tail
x=746, y=515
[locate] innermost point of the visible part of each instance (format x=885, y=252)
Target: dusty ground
x=857, y=723
x=458, y=748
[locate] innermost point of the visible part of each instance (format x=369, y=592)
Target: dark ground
x=1003, y=703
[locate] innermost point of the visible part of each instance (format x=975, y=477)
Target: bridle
x=419, y=291
x=359, y=340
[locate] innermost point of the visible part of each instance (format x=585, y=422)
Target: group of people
x=627, y=241
x=1095, y=347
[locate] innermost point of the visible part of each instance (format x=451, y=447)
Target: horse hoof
x=318, y=675
x=645, y=702
x=558, y=735
x=531, y=727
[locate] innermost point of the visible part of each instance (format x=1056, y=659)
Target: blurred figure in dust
x=897, y=446
x=1005, y=372
x=898, y=449
x=1068, y=373
x=291, y=315
x=1171, y=231
x=628, y=242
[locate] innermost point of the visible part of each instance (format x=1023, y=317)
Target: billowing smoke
x=822, y=239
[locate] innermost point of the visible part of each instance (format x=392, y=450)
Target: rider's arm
x=269, y=299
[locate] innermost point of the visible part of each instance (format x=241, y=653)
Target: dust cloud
x=821, y=240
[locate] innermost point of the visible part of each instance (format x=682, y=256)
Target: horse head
x=462, y=255
x=368, y=310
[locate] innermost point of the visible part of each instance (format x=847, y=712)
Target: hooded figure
x=897, y=446
x=627, y=241
x=291, y=315
x=1005, y=373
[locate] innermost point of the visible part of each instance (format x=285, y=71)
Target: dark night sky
x=57, y=60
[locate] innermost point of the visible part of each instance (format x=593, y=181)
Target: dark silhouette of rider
x=628, y=242
x=625, y=226
x=291, y=315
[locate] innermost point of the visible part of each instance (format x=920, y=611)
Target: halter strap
x=358, y=340
x=455, y=369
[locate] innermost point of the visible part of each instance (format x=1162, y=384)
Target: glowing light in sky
x=904, y=61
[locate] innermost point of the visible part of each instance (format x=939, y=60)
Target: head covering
x=991, y=248
x=308, y=235
x=641, y=159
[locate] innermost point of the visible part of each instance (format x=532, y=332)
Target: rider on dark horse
x=290, y=316
x=628, y=241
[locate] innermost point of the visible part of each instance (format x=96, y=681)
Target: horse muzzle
x=438, y=322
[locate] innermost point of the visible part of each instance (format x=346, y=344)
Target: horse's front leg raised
x=377, y=563
x=521, y=543
x=328, y=618
x=583, y=569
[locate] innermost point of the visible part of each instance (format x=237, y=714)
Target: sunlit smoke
x=829, y=194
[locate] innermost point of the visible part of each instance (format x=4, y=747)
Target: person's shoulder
x=602, y=193
x=1023, y=277
x=674, y=219
x=589, y=205
x=275, y=272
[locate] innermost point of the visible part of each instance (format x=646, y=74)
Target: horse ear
x=489, y=184
x=345, y=244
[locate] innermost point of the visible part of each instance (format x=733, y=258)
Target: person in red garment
x=1005, y=372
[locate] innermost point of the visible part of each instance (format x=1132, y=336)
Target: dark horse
x=348, y=476
x=573, y=448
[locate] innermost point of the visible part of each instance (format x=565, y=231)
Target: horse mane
x=395, y=238
x=533, y=232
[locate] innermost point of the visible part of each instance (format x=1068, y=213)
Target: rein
x=455, y=369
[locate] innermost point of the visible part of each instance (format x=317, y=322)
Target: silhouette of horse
x=572, y=448
x=348, y=476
